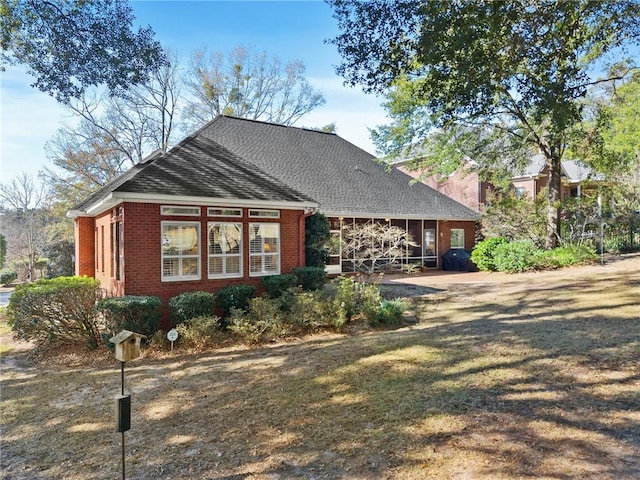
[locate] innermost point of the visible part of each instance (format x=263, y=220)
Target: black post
x=122, y=393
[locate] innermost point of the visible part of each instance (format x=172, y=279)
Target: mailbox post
x=127, y=347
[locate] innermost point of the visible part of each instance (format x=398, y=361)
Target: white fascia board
x=116, y=198
x=396, y=216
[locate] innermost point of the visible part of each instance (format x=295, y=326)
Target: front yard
x=521, y=376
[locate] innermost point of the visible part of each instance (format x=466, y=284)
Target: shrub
x=310, y=278
x=262, y=321
x=345, y=301
x=483, y=254
x=137, y=313
x=56, y=311
x=308, y=311
x=515, y=256
x=188, y=305
x=199, y=331
x=391, y=311
x=235, y=296
x=7, y=276
x=277, y=285
x=564, y=257
x=316, y=237
x=368, y=302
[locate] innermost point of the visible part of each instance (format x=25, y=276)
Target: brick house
x=465, y=185
x=228, y=205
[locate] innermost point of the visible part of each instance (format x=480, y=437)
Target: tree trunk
x=553, y=200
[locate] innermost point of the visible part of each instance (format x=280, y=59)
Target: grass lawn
x=515, y=377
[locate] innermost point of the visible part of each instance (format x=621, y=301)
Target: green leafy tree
x=507, y=75
x=71, y=45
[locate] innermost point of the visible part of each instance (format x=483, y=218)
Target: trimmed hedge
x=235, y=296
x=277, y=285
x=188, y=305
x=56, y=311
x=137, y=313
x=310, y=278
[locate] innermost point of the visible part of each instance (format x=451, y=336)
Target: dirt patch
x=504, y=377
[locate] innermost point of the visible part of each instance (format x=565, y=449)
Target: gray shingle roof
x=199, y=167
x=232, y=158
x=341, y=177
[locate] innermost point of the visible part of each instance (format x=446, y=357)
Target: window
x=254, y=213
x=264, y=249
x=457, y=238
x=521, y=192
x=172, y=210
x=180, y=251
x=224, y=212
x=117, y=244
x=225, y=250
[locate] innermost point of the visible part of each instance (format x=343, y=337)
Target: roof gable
x=200, y=168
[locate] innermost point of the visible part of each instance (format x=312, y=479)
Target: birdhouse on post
x=127, y=345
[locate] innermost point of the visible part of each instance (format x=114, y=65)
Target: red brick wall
x=463, y=186
x=142, y=251
x=84, y=234
x=445, y=235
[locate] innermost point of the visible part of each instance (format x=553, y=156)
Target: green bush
x=262, y=321
x=7, y=276
x=345, y=300
x=308, y=311
x=564, y=256
x=137, y=313
x=515, y=256
x=200, y=331
x=317, y=234
x=310, y=278
x=277, y=285
x=392, y=311
x=235, y=296
x=483, y=253
x=56, y=311
x=188, y=305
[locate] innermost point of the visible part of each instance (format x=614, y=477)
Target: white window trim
x=262, y=254
x=233, y=215
x=463, y=239
x=262, y=213
x=194, y=214
x=224, y=256
x=180, y=278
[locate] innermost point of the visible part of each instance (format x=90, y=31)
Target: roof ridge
x=274, y=124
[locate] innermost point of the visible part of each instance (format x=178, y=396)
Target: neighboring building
x=463, y=185
x=535, y=177
x=466, y=187
x=228, y=205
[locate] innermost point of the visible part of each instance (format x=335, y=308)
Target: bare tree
x=373, y=246
x=248, y=84
x=24, y=210
x=113, y=134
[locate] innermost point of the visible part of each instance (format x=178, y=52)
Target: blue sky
x=288, y=29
